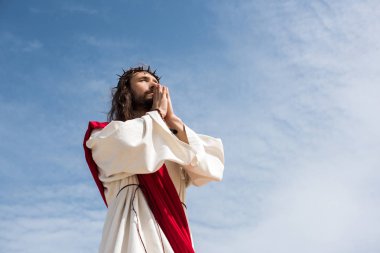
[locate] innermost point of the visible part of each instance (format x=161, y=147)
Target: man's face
x=142, y=84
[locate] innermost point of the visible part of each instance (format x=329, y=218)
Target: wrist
x=172, y=119
x=177, y=127
x=159, y=112
x=174, y=122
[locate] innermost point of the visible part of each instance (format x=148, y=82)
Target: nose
x=153, y=84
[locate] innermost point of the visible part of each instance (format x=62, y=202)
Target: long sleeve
x=209, y=163
x=137, y=146
x=142, y=145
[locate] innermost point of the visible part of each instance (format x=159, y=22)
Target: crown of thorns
x=131, y=71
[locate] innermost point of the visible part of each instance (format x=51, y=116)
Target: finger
x=168, y=98
x=168, y=93
x=155, y=93
x=170, y=106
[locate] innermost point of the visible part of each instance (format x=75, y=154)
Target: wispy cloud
x=290, y=87
x=32, y=45
x=105, y=43
x=43, y=220
x=73, y=8
x=308, y=163
x=79, y=9
x=14, y=43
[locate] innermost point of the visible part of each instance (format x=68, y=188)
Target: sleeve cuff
x=157, y=118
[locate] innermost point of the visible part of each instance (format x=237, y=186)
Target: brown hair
x=122, y=97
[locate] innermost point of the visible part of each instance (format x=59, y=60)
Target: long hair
x=122, y=96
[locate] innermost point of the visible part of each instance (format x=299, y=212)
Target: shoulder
x=96, y=125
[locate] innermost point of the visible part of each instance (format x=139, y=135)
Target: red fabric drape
x=166, y=206
x=161, y=195
x=88, y=154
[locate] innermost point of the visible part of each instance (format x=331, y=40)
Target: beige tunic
x=139, y=146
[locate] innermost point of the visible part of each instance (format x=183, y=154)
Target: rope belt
x=125, y=186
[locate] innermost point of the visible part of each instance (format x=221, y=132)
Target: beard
x=142, y=102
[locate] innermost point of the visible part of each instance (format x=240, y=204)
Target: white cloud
x=32, y=45
x=43, y=220
x=309, y=155
x=14, y=43
x=295, y=104
x=80, y=9
x=106, y=43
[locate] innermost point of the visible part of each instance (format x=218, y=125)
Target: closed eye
x=146, y=79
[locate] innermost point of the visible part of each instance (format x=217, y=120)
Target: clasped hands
x=163, y=104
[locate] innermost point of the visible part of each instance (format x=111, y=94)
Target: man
x=142, y=161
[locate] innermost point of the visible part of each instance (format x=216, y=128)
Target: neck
x=139, y=113
x=139, y=110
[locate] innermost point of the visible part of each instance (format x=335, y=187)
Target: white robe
x=140, y=146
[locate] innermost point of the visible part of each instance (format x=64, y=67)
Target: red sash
x=161, y=195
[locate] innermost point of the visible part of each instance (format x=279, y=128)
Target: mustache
x=149, y=92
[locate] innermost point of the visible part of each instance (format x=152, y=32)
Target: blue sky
x=291, y=87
